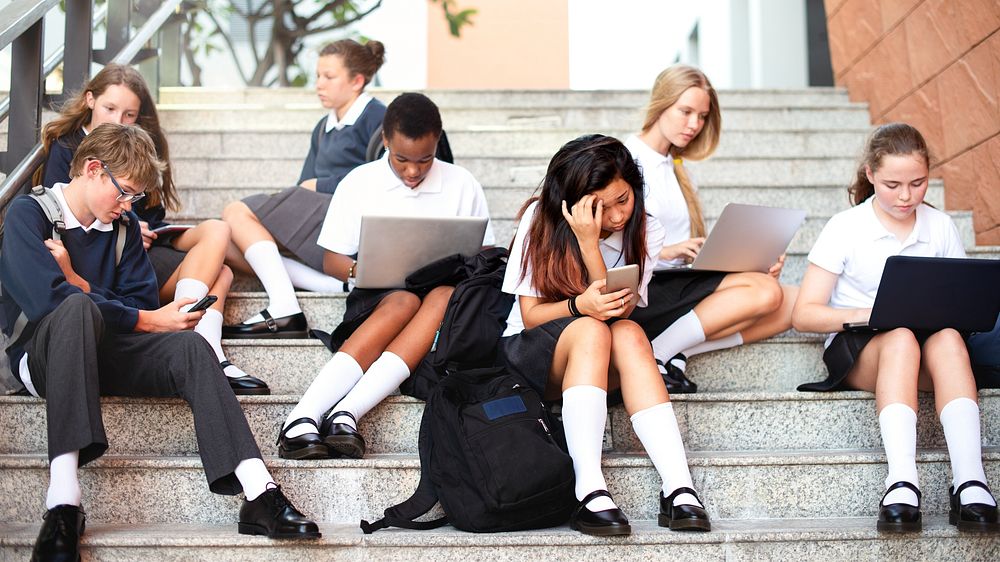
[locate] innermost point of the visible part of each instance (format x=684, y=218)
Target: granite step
x=709, y=421
x=730, y=540
x=733, y=485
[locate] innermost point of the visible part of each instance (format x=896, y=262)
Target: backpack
x=488, y=456
x=984, y=353
x=473, y=321
x=10, y=383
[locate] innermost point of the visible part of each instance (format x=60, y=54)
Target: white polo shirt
x=854, y=245
x=664, y=199
x=374, y=189
x=611, y=250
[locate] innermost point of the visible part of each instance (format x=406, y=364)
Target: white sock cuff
x=904, y=413
x=732, y=340
x=212, y=313
x=585, y=392
x=393, y=361
x=691, y=324
x=665, y=408
x=959, y=406
x=264, y=246
x=189, y=287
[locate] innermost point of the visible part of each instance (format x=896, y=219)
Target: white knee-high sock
x=64, y=486
x=305, y=277
x=898, y=423
x=382, y=378
x=656, y=427
x=333, y=382
x=188, y=288
x=732, y=340
x=685, y=332
x=210, y=328
x=254, y=477
x=960, y=420
x=584, y=413
x=266, y=263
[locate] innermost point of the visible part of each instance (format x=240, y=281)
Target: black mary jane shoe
x=292, y=326
x=674, y=378
x=684, y=517
x=272, y=515
x=59, y=539
x=306, y=446
x=246, y=385
x=341, y=438
x=604, y=523
x=899, y=517
x=980, y=517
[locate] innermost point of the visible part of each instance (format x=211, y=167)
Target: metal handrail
x=19, y=15
x=145, y=33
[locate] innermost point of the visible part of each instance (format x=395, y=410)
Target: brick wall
x=936, y=65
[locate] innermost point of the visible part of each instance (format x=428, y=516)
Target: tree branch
x=300, y=33
x=229, y=43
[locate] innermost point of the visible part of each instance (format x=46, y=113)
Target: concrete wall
x=936, y=65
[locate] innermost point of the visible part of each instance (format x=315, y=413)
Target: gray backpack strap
x=50, y=206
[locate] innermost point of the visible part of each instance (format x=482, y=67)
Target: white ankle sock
x=266, y=263
x=188, y=288
x=307, y=278
x=898, y=423
x=685, y=332
x=732, y=340
x=254, y=477
x=656, y=427
x=333, y=382
x=64, y=486
x=382, y=378
x=960, y=420
x=584, y=413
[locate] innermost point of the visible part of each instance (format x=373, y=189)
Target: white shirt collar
x=876, y=231
x=70, y=219
x=351, y=117
x=431, y=184
x=644, y=151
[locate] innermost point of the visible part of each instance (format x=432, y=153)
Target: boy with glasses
x=95, y=327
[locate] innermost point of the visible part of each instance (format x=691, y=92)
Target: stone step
x=733, y=540
x=709, y=421
x=732, y=485
x=212, y=117
x=517, y=142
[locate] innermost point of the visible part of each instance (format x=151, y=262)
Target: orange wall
x=512, y=44
x=936, y=65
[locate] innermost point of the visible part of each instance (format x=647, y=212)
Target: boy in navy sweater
x=95, y=328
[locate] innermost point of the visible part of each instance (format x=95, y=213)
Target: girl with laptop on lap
x=840, y=284
x=189, y=263
x=385, y=333
x=693, y=312
x=569, y=340
x=265, y=225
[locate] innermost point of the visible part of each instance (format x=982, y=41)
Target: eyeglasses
x=124, y=197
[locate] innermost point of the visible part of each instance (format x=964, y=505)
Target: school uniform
x=674, y=290
x=79, y=346
x=375, y=189
x=162, y=255
x=529, y=352
x=295, y=215
x=854, y=245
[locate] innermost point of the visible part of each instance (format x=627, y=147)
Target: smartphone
x=204, y=303
x=624, y=277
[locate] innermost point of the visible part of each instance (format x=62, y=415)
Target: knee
x=948, y=341
x=769, y=293
x=628, y=334
x=235, y=212
x=438, y=297
x=900, y=340
x=589, y=332
x=216, y=230
x=403, y=301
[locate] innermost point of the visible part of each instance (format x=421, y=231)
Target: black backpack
x=488, y=455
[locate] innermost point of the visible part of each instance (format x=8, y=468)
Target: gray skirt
x=165, y=260
x=294, y=217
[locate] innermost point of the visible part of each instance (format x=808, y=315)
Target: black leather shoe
x=899, y=517
x=272, y=515
x=306, y=446
x=246, y=385
x=341, y=438
x=59, y=539
x=682, y=517
x=674, y=378
x=972, y=516
x=605, y=523
x=293, y=326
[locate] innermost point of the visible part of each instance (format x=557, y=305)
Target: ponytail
x=695, y=214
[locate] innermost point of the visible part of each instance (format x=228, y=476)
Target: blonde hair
x=127, y=150
x=667, y=89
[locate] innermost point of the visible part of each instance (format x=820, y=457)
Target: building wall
x=936, y=65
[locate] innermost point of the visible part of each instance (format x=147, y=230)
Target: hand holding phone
x=204, y=303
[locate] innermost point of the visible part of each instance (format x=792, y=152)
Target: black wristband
x=573, y=309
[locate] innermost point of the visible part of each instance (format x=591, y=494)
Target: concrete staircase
x=783, y=474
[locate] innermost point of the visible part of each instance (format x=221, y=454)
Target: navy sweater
x=32, y=281
x=332, y=155
x=57, y=171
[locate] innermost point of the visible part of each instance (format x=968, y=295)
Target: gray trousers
x=74, y=361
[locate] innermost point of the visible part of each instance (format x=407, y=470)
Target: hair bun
x=377, y=49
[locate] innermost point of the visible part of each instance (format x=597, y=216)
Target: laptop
x=935, y=293
x=748, y=238
x=391, y=248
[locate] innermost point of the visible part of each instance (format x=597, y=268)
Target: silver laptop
x=748, y=238
x=391, y=248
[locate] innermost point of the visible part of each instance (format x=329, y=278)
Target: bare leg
x=376, y=333
x=206, y=246
x=739, y=301
x=246, y=227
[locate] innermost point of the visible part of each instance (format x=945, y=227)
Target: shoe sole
x=268, y=336
x=252, y=391
x=602, y=530
x=684, y=524
x=311, y=452
x=251, y=529
x=889, y=527
x=973, y=526
x=345, y=446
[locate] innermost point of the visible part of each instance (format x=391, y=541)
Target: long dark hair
x=582, y=166
x=886, y=140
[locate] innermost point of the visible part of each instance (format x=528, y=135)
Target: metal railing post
x=79, y=46
x=25, y=95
